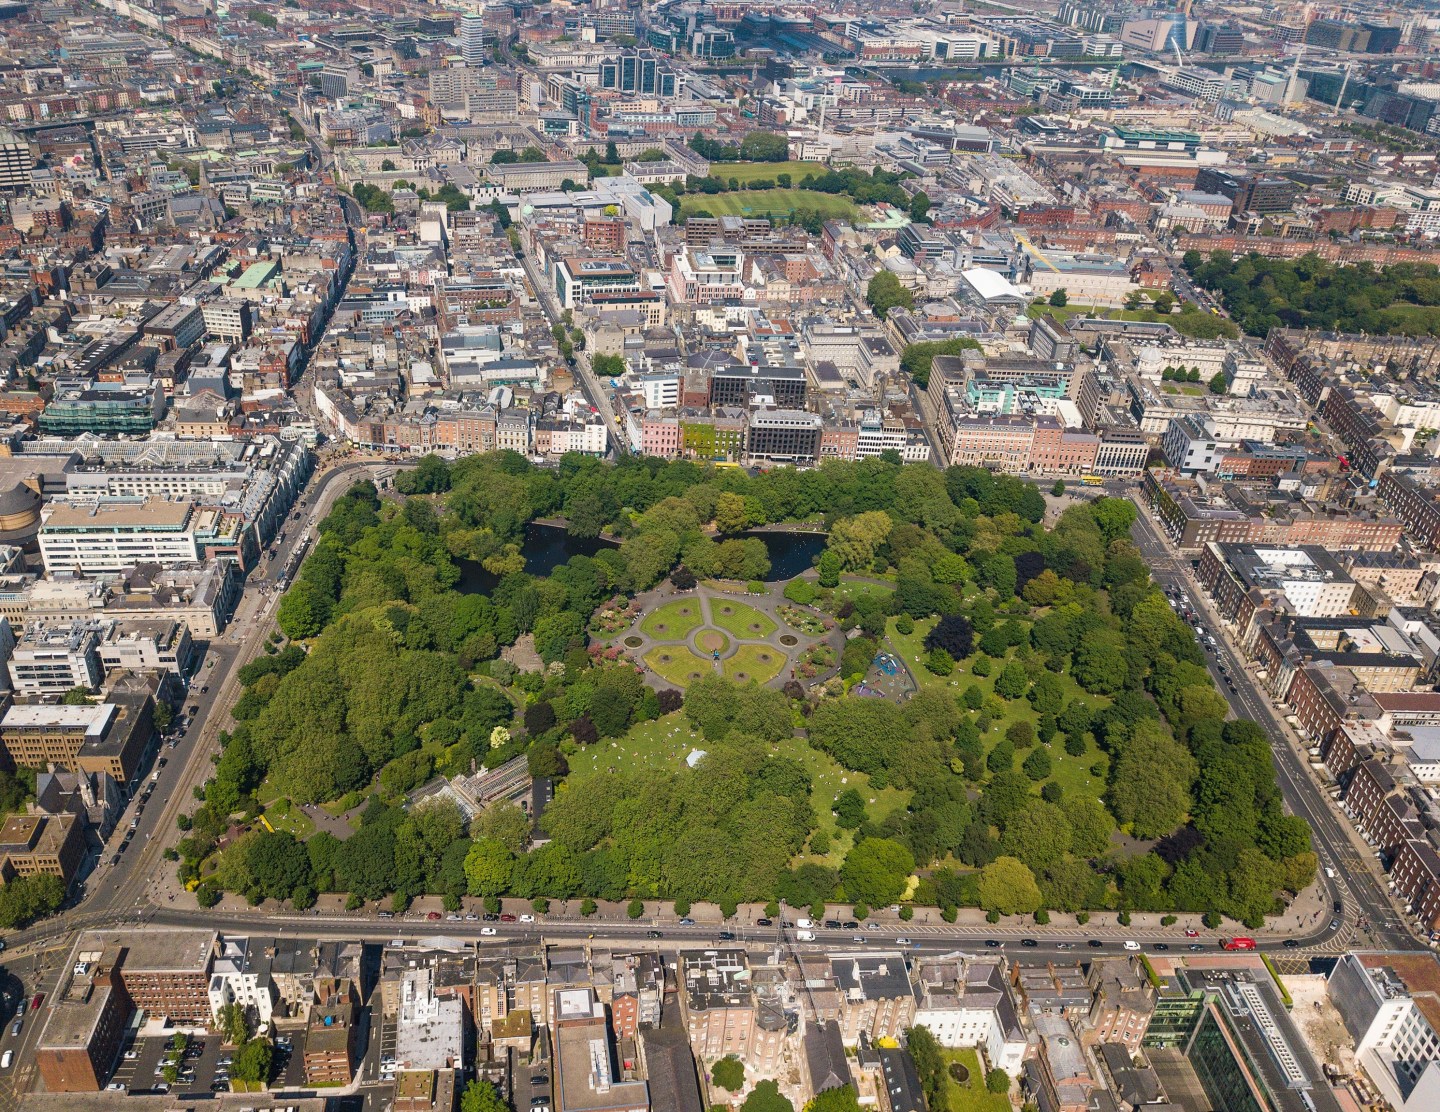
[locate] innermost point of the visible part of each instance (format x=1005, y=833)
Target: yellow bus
x=1092, y=480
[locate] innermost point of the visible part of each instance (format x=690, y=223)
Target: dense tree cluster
x=758, y=146
x=1308, y=292
x=1078, y=652
x=27, y=898
x=917, y=359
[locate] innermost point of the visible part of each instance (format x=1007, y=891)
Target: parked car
x=507, y=918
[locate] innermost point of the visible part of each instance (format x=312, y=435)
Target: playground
x=887, y=678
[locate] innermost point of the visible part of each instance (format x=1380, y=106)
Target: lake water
x=790, y=553
x=546, y=547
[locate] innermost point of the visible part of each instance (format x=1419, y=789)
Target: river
x=546, y=547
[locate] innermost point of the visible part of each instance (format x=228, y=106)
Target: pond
x=546, y=547
x=790, y=553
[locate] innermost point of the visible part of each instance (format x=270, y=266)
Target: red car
x=1191, y=934
x=37, y=1000
x=433, y=915
x=507, y=918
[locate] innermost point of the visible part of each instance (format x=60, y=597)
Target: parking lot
x=203, y=1067
x=143, y=1064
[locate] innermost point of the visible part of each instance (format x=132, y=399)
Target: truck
x=1237, y=944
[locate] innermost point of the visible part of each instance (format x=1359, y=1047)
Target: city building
x=1390, y=1003
x=53, y=659
x=100, y=738
x=110, y=536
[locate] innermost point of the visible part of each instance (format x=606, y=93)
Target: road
x=598, y=396
x=1356, y=884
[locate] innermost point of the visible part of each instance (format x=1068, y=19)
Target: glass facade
x=1174, y=1018
x=1220, y=1074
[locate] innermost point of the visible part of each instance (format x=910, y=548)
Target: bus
x=1091, y=480
x=1237, y=944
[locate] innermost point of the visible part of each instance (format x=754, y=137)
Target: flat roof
x=93, y=718
x=183, y=950
x=153, y=513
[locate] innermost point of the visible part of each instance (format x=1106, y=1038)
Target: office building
x=111, y=536
x=85, y=1021
x=1390, y=1003
x=640, y=72
x=472, y=38
x=41, y=845
x=109, y=738
x=17, y=163
x=131, y=406
x=53, y=659
x=784, y=436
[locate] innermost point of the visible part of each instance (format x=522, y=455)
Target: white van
x=805, y=936
x=804, y=924
x=6, y=1059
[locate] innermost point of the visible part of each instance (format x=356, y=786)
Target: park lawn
x=972, y=1097
x=1071, y=773
x=742, y=622
x=1057, y=313
x=673, y=621
x=661, y=743
x=664, y=743
x=771, y=202
x=752, y=171
x=851, y=589
x=761, y=663
x=294, y=820
x=677, y=664
x=711, y=641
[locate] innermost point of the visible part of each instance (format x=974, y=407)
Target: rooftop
x=153, y=513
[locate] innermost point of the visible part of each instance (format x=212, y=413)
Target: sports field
x=766, y=202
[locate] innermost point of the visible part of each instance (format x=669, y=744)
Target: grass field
x=712, y=641
x=665, y=742
x=677, y=664
x=741, y=621
x=294, y=819
x=766, y=202
x=673, y=621
x=850, y=590
x=754, y=662
x=1071, y=773
x=752, y=171
x=973, y=1096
